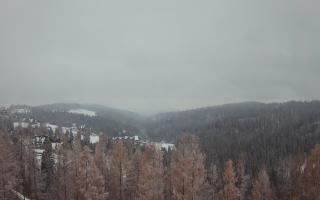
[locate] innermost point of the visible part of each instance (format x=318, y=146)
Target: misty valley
x=159, y=100
x=246, y=150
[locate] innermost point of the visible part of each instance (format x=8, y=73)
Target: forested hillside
x=97, y=118
x=239, y=151
x=123, y=170
x=262, y=134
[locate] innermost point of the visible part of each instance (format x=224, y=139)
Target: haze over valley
x=159, y=100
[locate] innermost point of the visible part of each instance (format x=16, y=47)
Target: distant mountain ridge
x=107, y=120
x=191, y=120
x=65, y=107
x=169, y=125
x=265, y=133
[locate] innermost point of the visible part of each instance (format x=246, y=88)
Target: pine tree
x=213, y=182
x=168, y=189
x=65, y=140
x=187, y=169
x=285, y=178
x=119, y=170
x=96, y=189
x=150, y=179
x=230, y=191
x=100, y=159
x=311, y=175
x=242, y=179
x=8, y=167
x=261, y=187
x=47, y=167
x=32, y=171
x=134, y=173
x=76, y=150
x=21, y=160
x=297, y=177
x=64, y=181
x=92, y=187
x=168, y=183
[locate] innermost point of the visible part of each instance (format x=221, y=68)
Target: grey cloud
x=158, y=55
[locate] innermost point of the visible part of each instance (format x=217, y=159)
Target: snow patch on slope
x=83, y=112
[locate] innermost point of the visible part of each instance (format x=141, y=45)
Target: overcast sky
x=147, y=56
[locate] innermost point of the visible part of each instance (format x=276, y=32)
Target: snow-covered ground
x=83, y=112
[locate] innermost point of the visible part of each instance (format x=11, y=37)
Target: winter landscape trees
x=8, y=167
x=128, y=171
x=44, y=164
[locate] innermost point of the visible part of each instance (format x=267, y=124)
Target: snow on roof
x=40, y=139
x=52, y=126
x=40, y=151
x=83, y=112
x=20, y=124
x=21, y=111
x=3, y=106
x=135, y=138
x=55, y=145
x=94, y=139
x=65, y=129
x=35, y=125
x=162, y=145
x=167, y=146
x=74, y=132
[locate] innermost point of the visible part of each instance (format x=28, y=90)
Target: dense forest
x=236, y=151
x=261, y=134
x=107, y=120
x=199, y=100
x=117, y=169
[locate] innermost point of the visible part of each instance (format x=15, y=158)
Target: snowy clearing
x=83, y=112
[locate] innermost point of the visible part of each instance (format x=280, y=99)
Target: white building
x=20, y=125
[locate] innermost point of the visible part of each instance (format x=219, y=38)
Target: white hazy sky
x=148, y=56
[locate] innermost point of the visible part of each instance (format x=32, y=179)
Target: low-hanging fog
x=150, y=56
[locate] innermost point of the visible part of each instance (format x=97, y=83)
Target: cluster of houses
x=158, y=145
x=94, y=138
x=20, y=111
x=74, y=129
x=3, y=110
x=26, y=123
x=31, y=123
